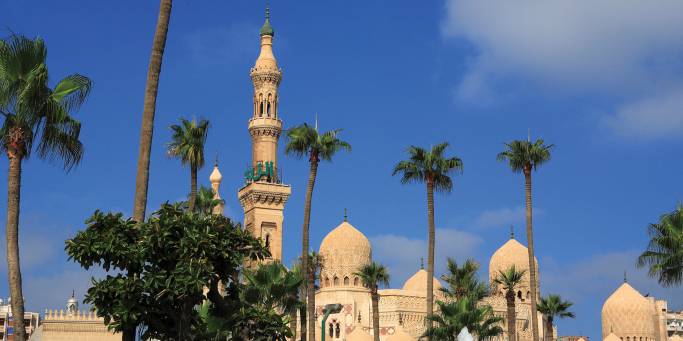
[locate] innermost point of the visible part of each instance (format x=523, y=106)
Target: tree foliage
x=425, y=166
x=158, y=271
x=664, y=253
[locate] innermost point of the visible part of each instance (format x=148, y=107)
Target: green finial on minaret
x=625, y=279
x=512, y=232
x=346, y=216
x=266, y=29
x=422, y=263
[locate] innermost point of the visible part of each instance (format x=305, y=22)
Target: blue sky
x=602, y=80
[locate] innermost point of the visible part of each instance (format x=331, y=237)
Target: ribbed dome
x=400, y=335
x=611, y=337
x=627, y=313
x=418, y=282
x=216, y=175
x=344, y=250
x=359, y=335
x=511, y=253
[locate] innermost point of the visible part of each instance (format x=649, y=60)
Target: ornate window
x=335, y=281
x=327, y=281
x=346, y=281
x=356, y=281
x=519, y=294
x=337, y=330
x=267, y=243
x=331, y=330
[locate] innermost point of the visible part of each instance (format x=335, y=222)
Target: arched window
x=335, y=281
x=268, y=105
x=327, y=281
x=355, y=281
x=338, y=330
x=528, y=295
x=260, y=105
x=519, y=294
x=346, y=281
x=628, y=338
x=331, y=330
x=267, y=242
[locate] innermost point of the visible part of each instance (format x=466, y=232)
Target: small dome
x=344, y=250
x=400, y=335
x=627, y=313
x=582, y=339
x=216, y=175
x=675, y=337
x=359, y=335
x=511, y=253
x=610, y=337
x=418, y=282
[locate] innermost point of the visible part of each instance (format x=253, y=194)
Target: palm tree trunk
x=151, y=88
x=311, y=302
x=375, y=314
x=303, y=321
x=512, y=317
x=549, y=329
x=193, y=187
x=532, y=258
x=13, y=265
x=142, y=176
x=430, y=252
x=292, y=323
x=310, y=290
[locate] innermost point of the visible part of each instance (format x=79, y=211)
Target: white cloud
x=504, y=217
x=625, y=50
x=584, y=42
x=402, y=254
x=655, y=116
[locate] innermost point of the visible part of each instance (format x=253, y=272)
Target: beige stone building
x=629, y=316
x=73, y=324
x=31, y=320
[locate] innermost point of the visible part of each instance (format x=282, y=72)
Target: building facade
x=31, y=320
x=73, y=324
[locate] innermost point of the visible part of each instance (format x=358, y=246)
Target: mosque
x=345, y=249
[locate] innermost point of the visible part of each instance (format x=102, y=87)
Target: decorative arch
x=327, y=281
x=346, y=281
x=335, y=281
x=356, y=281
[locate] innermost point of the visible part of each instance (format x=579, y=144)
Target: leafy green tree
x=372, y=276
x=664, y=253
x=553, y=307
x=187, y=144
x=306, y=141
x=205, y=202
x=462, y=281
x=455, y=315
x=158, y=270
x=35, y=116
x=523, y=157
x=432, y=168
x=509, y=280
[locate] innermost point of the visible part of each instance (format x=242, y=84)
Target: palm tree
x=35, y=115
x=432, y=168
x=187, y=144
x=523, y=157
x=464, y=313
x=463, y=281
x=372, y=275
x=147, y=128
x=205, y=202
x=509, y=280
x=664, y=254
x=553, y=306
x=306, y=141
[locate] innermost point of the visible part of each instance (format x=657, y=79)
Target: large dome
x=626, y=313
x=344, y=250
x=418, y=282
x=512, y=253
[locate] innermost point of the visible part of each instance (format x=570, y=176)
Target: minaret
x=215, y=179
x=263, y=197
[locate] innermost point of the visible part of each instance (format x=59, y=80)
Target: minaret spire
x=512, y=232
